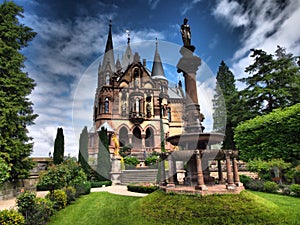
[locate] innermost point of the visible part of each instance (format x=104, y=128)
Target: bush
x=43, y=209
x=271, y=187
x=142, y=188
x=36, y=211
x=83, y=188
x=285, y=189
x=256, y=185
x=11, y=217
x=59, y=199
x=95, y=184
x=295, y=188
x=131, y=161
x=245, y=180
x=71, y=194
x=25, y=203
x=151, y=160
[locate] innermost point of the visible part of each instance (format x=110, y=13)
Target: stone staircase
x=138, y=176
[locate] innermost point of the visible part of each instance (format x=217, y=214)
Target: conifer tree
x=83, y=156
x=103, y=161
x=16, y=111
x=223, y=105
x=274, y=82
x=59, y=147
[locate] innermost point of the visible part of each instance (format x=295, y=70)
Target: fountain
x=195, y=145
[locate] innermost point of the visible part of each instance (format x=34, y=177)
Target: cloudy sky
x=63, y=57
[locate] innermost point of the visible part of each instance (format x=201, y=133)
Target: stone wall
x=12, y=189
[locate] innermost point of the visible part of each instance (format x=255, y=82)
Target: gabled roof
x=174, y=93
x=106, y=126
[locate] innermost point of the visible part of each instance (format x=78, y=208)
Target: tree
x=59, y=147
x=16, y=111
x=275, y=82
x=83, y=151
x=223, y=104
x=103, y=162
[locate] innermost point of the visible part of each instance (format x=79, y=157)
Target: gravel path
x=117, y=189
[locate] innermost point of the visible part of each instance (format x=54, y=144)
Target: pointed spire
x=118, y=64
x=157, y=68
x=109, y=59
x=128, y=56
x=109, y=43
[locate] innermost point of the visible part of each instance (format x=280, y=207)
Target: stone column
x=236, y=176
x=171, y=172
x=188, y=65
x=220, y=172
x=200, y=180
x=230, y=184
x=143, y=141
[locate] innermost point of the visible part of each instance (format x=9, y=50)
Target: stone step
x=138, y=176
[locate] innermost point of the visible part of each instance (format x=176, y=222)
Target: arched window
x=137, y=105
x=137, y=138
x=107, y=78
x=106, y=105
x=123, y=137
x=149, y=139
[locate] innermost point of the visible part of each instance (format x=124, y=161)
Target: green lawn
x=161, y=208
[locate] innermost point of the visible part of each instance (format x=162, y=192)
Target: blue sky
x=72, y=35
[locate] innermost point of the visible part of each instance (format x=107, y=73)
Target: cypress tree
x=59, y=147
x=103, y=161
x=83, y=156
x=16, y=111
x=224, y=103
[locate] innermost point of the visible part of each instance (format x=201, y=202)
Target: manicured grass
x=161, y=208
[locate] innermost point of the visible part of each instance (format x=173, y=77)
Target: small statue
x=186, y=33
x=117, y=144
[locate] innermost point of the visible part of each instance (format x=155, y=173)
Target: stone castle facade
x=136, y=104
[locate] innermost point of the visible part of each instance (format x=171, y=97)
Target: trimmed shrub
x=271, y=187
x=11, y=217
x=83, y=188
x=95, y=184
x=143, y=188
x=295, y=188
x=256, y=185
x=71, y=194
x=59, y=199
x=131, y=162
x=245, y=180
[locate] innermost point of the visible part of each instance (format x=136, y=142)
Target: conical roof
x=106, y=126
x=109, y=59
x=157, y=68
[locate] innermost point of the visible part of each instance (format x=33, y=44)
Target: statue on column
x=186, y=33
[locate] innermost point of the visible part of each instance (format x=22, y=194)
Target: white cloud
x=189, y=5
x=266, y=24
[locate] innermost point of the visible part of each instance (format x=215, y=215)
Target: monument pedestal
x=115, y=174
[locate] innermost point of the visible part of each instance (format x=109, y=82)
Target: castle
x=134, y=103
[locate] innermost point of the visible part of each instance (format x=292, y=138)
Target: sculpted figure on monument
x=186, y=33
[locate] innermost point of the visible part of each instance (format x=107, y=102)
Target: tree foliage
x=275, y=135
x=103, y=162
x=59, y=147
x=16, y=111
x=274, y=82
x=223, y=104
x=4, y=171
